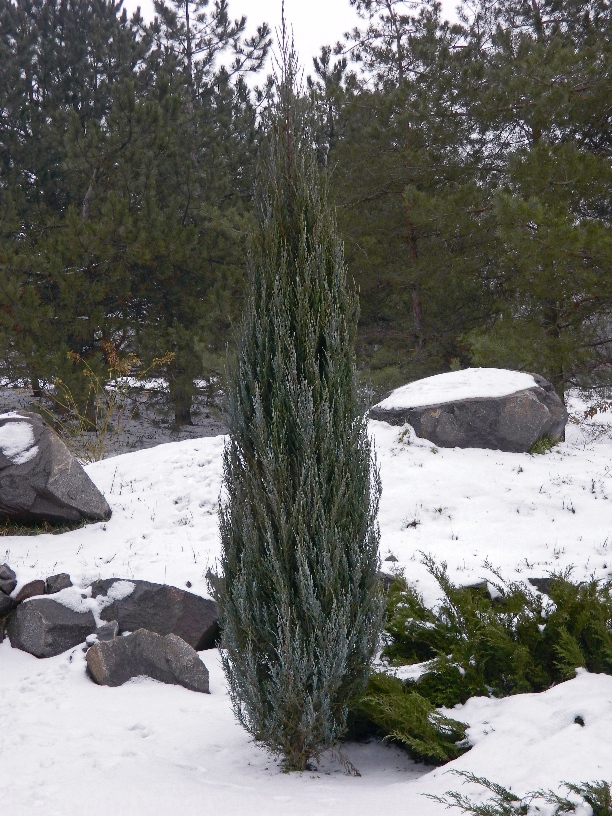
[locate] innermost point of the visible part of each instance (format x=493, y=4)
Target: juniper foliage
x=516, y=642
x=393, y=710
x=503, y=802
x=299, y=598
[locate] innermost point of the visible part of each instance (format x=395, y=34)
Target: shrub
x=518, y=641
x=543, y=445
x=299, y=598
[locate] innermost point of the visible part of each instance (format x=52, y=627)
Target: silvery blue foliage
x=299, y=598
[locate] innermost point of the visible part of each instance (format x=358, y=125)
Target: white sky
x=314, y=22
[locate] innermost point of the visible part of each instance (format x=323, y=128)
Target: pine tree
x=544, y=117
x=298, y=592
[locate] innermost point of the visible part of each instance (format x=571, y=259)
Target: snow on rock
x=469, y=383
x=17, y=440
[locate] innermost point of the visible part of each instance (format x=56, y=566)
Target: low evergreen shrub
x=517, y=641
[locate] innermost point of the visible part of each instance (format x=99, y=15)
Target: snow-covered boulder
x=166, y=659
x=158, y=608
x=40, y=480
x=478, y=408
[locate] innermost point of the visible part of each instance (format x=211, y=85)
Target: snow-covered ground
x=68, y=746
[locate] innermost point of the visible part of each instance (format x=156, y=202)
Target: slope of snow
x=458, y=385
x=69, y=746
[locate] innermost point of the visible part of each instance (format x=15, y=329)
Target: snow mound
x=470, y=383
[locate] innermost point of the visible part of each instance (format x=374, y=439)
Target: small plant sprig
x=543, y=445
x=597, y=795
x=86, y=433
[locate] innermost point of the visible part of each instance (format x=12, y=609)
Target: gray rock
x=41, y=480
x=8, y=579
x=167, y=659
x=55, y=583
x=162, y=609
x=511, y=423
x=6, y=604
x=30, y=590
x=541, y=584
x=108, y=631
x=44, y=628
x=386, y=580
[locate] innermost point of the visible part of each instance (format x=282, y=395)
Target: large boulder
x=478, y=408
x=44, y=628
x=40, y=480
x=159, y=608
x=167, y=659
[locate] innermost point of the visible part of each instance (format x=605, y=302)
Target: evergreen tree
x=413, y=207
x=125, y=187
x=543, y=117
x=299, y=599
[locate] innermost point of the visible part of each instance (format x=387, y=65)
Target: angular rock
x=44, y=628
x=30, y=590
x=541, y=584
x=6, y=604
x=55, y=583
x=162, y=609
x=108, y=631
x=514, y=422
x=167, y=659
x=8, y=579
x=387, y=580
x=40, y=480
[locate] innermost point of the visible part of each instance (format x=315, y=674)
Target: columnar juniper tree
x=299, y=601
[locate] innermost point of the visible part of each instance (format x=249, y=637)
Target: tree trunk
x=181, y=397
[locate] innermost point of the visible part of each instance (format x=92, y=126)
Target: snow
x=150, y=748
x=17, y=440
x=469, y=383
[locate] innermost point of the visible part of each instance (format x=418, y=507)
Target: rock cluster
x=130, y=628
x=162, y=609
x=45, y=628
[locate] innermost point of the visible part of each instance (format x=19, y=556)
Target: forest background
x=470, y=165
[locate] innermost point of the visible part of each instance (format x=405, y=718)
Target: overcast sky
x=315, y=22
